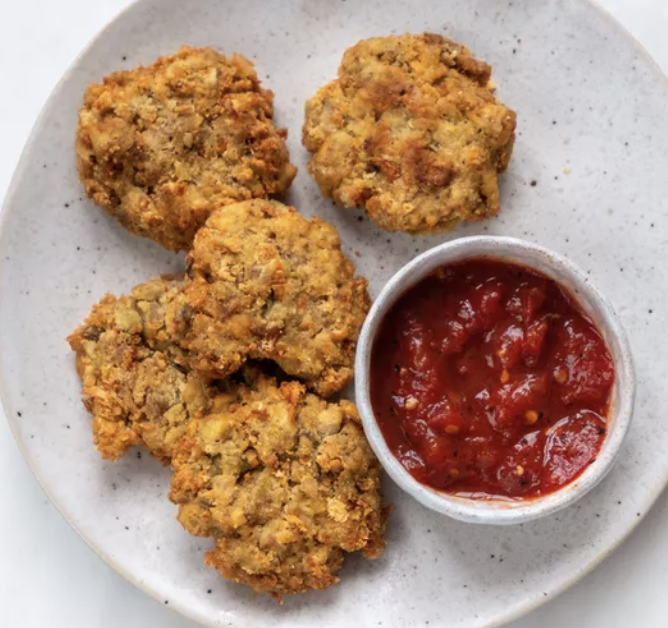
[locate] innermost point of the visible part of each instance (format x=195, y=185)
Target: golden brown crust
x=285, y=483
x=411, y=131
x=161, y=146
x=265, y=282
x=132, y=388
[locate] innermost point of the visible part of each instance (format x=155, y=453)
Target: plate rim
x=184, y=609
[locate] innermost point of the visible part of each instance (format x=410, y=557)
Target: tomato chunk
x=520, y=403
x=583, y=369
x=454, y=338
x=572, y=444
x=481, y=306
x=521, y=472
x=508, y=345
x=527, y=299
x=414, y=343
x=534, y=340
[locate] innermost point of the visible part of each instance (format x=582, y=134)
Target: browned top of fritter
x=411, y=131
x=265, y=282
x=133, y=390
x=284, y=482
x=161, y=146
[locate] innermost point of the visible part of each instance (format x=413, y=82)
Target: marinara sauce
x=488, y=380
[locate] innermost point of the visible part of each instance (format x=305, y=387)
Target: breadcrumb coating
x=135, y=392
x=161, y=147
x=266, y=283
x=410, y=130
x=285, y=483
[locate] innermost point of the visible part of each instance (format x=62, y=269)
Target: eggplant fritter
x=133, y=389
x=285, y=483
x=161, y=147
x=411, y=131
x=266, y=283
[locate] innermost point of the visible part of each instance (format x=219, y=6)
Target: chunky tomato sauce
x=488, y=380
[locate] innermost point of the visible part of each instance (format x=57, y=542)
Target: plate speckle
x=587, y=180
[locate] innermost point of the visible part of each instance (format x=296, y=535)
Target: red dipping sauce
x=488, y=380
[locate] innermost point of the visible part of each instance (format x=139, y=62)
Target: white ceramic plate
x=590, y=104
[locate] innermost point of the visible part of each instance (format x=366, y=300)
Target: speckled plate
x=587, y=179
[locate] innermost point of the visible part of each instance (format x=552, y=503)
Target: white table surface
x=48, y=576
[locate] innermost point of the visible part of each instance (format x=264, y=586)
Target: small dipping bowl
x=594, y=305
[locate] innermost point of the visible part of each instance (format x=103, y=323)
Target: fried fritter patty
x=161, y=146
x=285, y=483
x=411, y=131
x=134, y=391
x=264, y=282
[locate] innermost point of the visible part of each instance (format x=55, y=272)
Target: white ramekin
x=590, y=299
